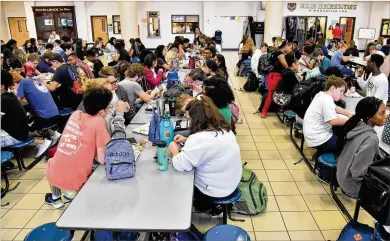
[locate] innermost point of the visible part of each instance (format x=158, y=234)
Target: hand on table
x=179, y=139
x=173, y=148
x=41, y=76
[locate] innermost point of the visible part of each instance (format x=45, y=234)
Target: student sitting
x=377, y=84
x=211, y=69
x=306, y=61
x=30, y=67
x=322, y=60
x=14, y=121
x=160, y=53
x=221, y=63
x=218, y=169
x=181, y=103
x=339, y=57
x=321, y=116
x=154, y=79
x=42, y=105
x=246, y=51
x=222, y=95
x=44, y=63
x=256, y=56
x=94, y=59
x=289, y=75
x=361, y=144
x=85, y=132
x=62, y=84
x=133, y=89
x=74, y=61
x=352, y=49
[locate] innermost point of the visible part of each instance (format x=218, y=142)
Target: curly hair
x=135, y=70
x=219, y=91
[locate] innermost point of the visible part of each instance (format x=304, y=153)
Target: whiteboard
x=366, y=33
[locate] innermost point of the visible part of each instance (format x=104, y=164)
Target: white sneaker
x=55, y=136
x=43, y=147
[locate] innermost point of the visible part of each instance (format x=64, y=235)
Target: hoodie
x=361, y=146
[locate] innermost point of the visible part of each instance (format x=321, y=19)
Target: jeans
x=346, y=71
x=329, y=146
x=7, y=140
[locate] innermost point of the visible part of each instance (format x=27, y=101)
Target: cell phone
x=132, y=140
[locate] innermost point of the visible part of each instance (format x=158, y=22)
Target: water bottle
x=162, y=156
x=166, y=129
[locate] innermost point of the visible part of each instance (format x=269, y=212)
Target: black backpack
x=265, y=65
x=304, y=92
x=252, y=83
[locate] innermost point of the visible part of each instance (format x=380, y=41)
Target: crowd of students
x=106, y=95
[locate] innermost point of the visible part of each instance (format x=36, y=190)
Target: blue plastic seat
x=328, y=159
x=6, y=156
x=65, y=112
x=25, y=143
x=226, y=233
x=48, y=231
x=232, y=198
x=298, y=126
x=289, y=114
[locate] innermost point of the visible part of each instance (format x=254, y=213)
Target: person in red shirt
x=153, y=79
x=30, y=67
x=337, y=32
x=84, y=137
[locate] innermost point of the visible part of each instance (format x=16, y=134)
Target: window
x=184, y=24
x=116, y=21
x=153, y=24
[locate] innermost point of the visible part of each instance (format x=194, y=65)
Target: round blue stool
x=6, y=156
x=65, y=112
x=48, y=231
x=225, y=201
x=18, y=149
x=226, y=233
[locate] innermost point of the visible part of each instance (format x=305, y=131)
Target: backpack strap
x=117, y=131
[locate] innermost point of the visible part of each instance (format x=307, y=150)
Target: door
x=347, y=25
x=18, y=29
x=99, y=28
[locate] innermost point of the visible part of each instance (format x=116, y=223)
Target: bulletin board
x=385, y=28
x=366, y=33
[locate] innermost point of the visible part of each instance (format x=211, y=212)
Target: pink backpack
x=235, y=111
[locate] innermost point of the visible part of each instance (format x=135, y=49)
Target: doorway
x=99, y=28
x=347, y=25
x=18, y=29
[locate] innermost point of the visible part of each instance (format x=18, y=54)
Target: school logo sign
x=291, y=6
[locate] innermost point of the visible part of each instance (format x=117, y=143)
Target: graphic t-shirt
x=39, y=97
x=72, y=164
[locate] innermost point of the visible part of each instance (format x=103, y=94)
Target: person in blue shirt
x=339, y=57
x=322, y=61
x=386, y=48
x=43, y=107
x=44, y=63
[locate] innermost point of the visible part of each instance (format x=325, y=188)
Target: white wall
x=11, y=9
x=361, y=13
x=379, y=10
x=166, y=9
x=100, y=8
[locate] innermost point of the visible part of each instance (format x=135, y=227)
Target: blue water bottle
x=162, y=156
x=166, y=129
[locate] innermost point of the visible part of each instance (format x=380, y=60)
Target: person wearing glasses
x=62, y=83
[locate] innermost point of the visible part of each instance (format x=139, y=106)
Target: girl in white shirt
x=212, y=150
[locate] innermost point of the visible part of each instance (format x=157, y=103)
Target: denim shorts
x=7, y=140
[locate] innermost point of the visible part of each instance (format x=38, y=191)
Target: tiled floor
x=299, y=207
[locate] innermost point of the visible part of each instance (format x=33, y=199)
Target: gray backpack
x=119, y=159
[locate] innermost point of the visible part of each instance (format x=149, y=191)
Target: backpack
x=143, y=83
x=101, y=235
x=119, y=158
x=253, y=198
x=252, y=83
x=192, y=235
x=77, y=85
x=173, y=79
x=304, y=92
x=154, y=126
x=176, y=90
x=265, y=66
x=235, y=112
x=355, y=231
x=245, y=68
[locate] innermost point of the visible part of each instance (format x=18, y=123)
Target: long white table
x=358, y=61
x=151, y=201
x=143, y=117
x=351, y=105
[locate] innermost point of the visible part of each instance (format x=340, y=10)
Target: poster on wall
x=385, y=28
x=48, y=21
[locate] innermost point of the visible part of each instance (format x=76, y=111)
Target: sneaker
x=69, y=195
x=56, y=203
x=42, y=148
x=216, y=212
x=55, y=136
